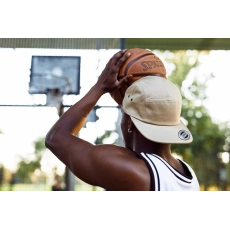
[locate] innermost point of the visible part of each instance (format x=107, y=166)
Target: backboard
x=50, y=73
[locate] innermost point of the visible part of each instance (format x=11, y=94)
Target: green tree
x=1, y=175
x=25, y=167
x=1, y=170
x=208, y=137
x=107, y=134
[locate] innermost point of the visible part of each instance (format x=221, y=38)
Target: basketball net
x=54, y=98
x=54, y=87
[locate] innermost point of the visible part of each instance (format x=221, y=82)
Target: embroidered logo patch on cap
x=183, y=135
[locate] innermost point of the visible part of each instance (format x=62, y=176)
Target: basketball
x=140, y=63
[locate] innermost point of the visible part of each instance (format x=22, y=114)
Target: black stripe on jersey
x=189, y=182
x=186, y=169
x=152, y=186
x=183, y=164
x=158, y=178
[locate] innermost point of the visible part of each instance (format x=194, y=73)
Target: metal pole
x=119, y=141
x=122, y=43
x=69, y=180
x=69, y=176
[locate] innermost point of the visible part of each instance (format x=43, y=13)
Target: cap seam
x=143, y=89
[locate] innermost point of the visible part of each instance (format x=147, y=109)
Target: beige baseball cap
x=154, y=105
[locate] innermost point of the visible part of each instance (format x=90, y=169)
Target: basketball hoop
x=51, y=85
x=55, y=76
x=54, y=97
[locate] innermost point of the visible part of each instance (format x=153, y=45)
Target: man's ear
x=130, y=125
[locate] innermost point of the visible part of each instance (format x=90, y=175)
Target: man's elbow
x=48, y=140
x=54, y=139
x=51, y=140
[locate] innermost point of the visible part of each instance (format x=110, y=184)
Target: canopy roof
x=118, y=43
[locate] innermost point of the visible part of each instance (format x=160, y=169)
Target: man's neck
x=141, y=144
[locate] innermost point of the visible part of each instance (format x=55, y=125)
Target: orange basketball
x=140, y=63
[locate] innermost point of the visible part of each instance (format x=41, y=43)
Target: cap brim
x=178, y=134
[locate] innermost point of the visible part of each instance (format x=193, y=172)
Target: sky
x=21, y=126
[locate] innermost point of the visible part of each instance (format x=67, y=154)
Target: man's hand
x=107, y=81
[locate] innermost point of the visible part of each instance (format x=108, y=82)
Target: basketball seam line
x=134, y=60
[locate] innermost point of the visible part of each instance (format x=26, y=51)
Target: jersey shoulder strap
x=154, y=175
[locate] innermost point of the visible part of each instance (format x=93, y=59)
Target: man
x=150, y=123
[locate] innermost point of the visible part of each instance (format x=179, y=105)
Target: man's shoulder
x=114, y=151
x=123, y=168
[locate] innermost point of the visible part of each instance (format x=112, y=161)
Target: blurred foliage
x=208, y=137
x=27, y=168
x=107, y=134
x=1, y=176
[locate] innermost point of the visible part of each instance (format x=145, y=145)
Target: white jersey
x=164, y=177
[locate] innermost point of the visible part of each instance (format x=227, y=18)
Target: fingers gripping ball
x=141, y=63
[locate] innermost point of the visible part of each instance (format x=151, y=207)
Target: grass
x=45, y=187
